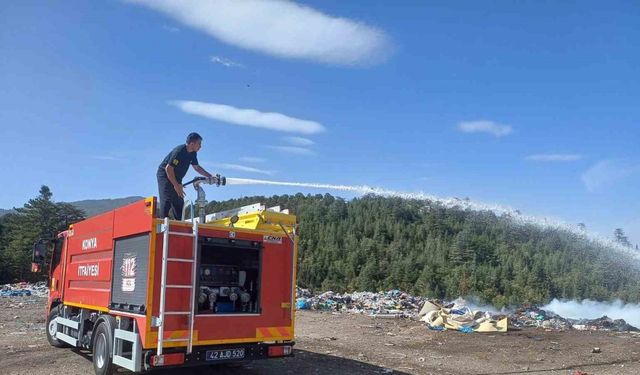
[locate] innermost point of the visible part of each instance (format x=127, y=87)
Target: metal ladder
x=164, y=286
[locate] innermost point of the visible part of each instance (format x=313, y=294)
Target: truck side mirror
x=39, y=253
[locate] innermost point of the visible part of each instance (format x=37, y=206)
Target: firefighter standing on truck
x=170, y=174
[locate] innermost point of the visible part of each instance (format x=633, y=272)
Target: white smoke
x=464, y=204
x=588, y=309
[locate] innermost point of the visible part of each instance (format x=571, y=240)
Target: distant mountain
x=93, y=207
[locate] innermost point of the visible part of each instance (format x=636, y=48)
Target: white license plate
x=224, y=354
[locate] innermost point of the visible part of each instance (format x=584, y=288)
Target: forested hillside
x=374, y=243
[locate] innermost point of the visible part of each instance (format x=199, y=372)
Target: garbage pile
x=531, y=316
x=24, y=289
x=535, y=317
x=393, y=303
x=455, y=315
x=437, y=314
x=603, y=324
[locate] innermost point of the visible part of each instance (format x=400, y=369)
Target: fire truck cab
x=141, y=292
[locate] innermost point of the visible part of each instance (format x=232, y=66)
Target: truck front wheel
x=52, y=329
x=103, y=350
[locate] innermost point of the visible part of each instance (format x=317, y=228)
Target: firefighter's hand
x=179, y=190
x=212, y=180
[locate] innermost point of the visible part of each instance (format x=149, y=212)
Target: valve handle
x=194, y=180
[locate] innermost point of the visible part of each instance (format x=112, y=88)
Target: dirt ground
x=354, y=344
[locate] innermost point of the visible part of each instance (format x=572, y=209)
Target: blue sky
x=528, y=104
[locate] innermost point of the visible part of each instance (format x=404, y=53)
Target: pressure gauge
x=204, y=295
x=245, y=297
x=233, y=296
x=213, y=295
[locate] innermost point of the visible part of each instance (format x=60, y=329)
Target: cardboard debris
x=461, y=318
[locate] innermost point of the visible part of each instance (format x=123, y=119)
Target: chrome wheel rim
x=101, y=348
x=53, y=328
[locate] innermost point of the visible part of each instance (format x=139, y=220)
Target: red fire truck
x=144, y=293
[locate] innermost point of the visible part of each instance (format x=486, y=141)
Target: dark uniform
x=180, y=159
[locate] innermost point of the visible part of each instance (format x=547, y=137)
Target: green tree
x=41, y=217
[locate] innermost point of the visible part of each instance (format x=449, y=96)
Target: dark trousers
x=170, y=203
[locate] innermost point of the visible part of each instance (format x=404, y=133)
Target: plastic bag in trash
x=302, y=304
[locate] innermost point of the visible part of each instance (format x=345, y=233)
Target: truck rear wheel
x=103, y=350
x=52, y=328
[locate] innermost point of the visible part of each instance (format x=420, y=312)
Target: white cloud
x=251, y=159
x=299, y=141
x=243, y=168
x=607, y=173
x=249, y=117
x=293, y=150
x=483, y=126
x=280, y=28
x=226, y=62
x=554, y=157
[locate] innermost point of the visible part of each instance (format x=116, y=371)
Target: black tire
x=51, y=330
x=103, y=349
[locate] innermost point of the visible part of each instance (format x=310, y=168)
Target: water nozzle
x=219, y=180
